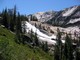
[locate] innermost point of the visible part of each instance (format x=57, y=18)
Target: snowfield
x=69, y=11
x=74, y=20
x=41, y=36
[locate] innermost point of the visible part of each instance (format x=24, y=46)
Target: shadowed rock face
x=67, y=17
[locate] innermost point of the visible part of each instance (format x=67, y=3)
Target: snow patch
x=69, y=11
x=74, y=20
x=40, y=35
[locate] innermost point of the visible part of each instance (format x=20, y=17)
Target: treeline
x=12, y=20
x=34, y=42
x=67, y=51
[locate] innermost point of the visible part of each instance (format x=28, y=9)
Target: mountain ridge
x=48, y=15
x=66, y=19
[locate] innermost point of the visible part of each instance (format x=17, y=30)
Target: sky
x=34, y=6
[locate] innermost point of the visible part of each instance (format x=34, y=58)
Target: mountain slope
x=45, y=16
x=69, y=11
x=67, y=20
x=40, y=35
x=42, y=16
x=10, y=50
x=63, y=18
x=66, y=17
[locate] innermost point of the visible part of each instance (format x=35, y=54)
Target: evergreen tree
x=58, y=47
x=24, y=27
x=35, y=25
x=42, y=45
x=31, y=34
x=68, y=49
x=36, y=40
x=13, y=20
x=40, y=26
x=18, y=29
x=46, y=47
x=5, y=18
x=56, y=53
x=77, y=50
x=77, y=54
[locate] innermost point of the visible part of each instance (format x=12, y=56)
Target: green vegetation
x=10, y=50
x=68, y=50
x=16, y=44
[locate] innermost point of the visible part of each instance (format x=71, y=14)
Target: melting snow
x=74, y=20
x=69, y=12
x=40, y=35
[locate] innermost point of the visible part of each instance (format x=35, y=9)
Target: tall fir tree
x=18, y=29
x=58, y=47
x=13, y=20
x=36, y=40
x=5, y=18
x=68, y=49
x=46, y=49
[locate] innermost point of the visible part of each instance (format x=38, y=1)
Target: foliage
x=58, y=47
x=10, y=50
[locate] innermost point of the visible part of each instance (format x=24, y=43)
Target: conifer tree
x=31, y=34
x=18, y=29
x=77, y=54
x=36, y=40
x=56, y=53
x=58, y=47
x=5, y=18
x=68, y=49
x=24, y=27
x=46, y=47
x=13, y=20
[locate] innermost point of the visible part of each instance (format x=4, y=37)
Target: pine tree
x=40, y=26
x=77, y=50
x=5, y=18
x=24, y=27
x=13, y=20
x=36, y=40
x=68, y=49
x=31, y=34
x=56, y=53
x=18, y=29
x=42, y=45
x=46, y=47
x=58, y=47
x=77, y=54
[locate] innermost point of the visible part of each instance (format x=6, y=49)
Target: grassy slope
x=10, y=50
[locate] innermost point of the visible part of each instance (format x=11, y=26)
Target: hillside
x=64, y=18
x=67, y=17
x=67, y=20
x=41, y=36
x=10, y=50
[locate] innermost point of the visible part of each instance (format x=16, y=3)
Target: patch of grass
x=10, y=50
